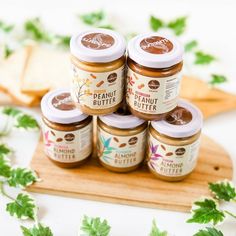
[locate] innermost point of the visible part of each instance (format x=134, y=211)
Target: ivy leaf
x=190, y=45
x=5, y=167
x=95, y=227
x=217, y=79
x=11, y=111
x=223, y=190
x=23, y=207
x=6, y=27
x=178, y=25
x=206, y=211
x=7, y=51
x=202, y=58
x=37, y=230
x=155, y=231
x=26, y=122
x=209, y=232
x=155, y=23
x=93, y=18
x=22, y=177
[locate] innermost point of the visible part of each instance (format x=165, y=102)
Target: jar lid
x=155, y=51
x=184, y=121
x=57, y=106
x=97, y=45
x=121, y=121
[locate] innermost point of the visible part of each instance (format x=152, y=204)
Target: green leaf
x=107, y=26
x=62, y=40
x=209, y=232
x=93, y=18
x=206, y=211
x=26, y=121
x=178, y=25
x=5, y=167
x=7, y=51
x=223, y=190
x=6, y=27
x=202, y=58
x=11, y=111
x=23, y=207
x=4, y=150
x=190, y=45
x=37, y=230
x=155, y=23
x=95, y=227
x=22, y=177
x=217, y=79
x=155, y=231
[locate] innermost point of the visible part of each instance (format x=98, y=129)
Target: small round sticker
x=63, y=102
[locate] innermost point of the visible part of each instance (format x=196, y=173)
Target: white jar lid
x=121, y=121
x=185, y=121
x=57, y=106
x=155, y=51
x=97, y=45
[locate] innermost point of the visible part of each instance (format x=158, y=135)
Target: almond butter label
x=98, y=90
x=67, y=147
x=156, y=45
x=170, y=160
x=63, y=102
x=97, y=41
x=152, y=95
x=121, y=151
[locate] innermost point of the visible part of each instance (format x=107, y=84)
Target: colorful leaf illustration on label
x=105, y=149
x=48, y=142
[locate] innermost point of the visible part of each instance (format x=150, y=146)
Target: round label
x=63, y=102
x=97, y=41
x=179, y=116
x=156, y=45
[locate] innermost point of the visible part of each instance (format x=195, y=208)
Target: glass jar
x=153, y=78
x=121, y=141
x=174, y=142
x=98, y=62
x=67, y=132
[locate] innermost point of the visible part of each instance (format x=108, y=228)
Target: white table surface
x=213, y=24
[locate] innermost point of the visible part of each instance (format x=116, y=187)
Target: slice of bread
x=46, y=69
x=11, y=71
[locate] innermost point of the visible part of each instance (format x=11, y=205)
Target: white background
x=212, y=23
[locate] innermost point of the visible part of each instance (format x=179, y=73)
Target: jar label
x=171, y=160
x=67, y=146
x=152, y=95
x=121, y=151
x=98, y=90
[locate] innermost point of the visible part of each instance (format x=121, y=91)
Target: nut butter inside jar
x=98, y=62
x=67, y=132
x=174, y=143
x=121, y=141
x=153, y=79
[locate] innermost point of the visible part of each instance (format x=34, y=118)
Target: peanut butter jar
x=174, y=142
x=67, y=132
x=98, y=63
x=153, y=78
x=121, y=141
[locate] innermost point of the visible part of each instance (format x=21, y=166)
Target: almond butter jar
x=174, y=143
x=98, y=62
x=67, y=132
x=153, y=79
x=121, y=141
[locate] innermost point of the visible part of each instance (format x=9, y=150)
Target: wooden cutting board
x=139, y=188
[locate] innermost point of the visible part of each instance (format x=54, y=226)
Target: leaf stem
x=231, y=214
x=2, y=191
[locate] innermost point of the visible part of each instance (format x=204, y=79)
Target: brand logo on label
x=97, y=41
x=153, y=84
x=112, y=78
x=180, y=116
x=63, y=102
x=156, y=45
x=69, y=137
x=133, y=140
x=180, y=151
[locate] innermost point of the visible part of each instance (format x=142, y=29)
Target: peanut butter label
x=67, y=147
x=63, y=102
x=170, y=160
x=156, y=45
x=97, y=41
x=121, y=151
x=152, y=95
x=98, y=90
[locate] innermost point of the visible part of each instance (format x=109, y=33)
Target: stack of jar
x=125, y=92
